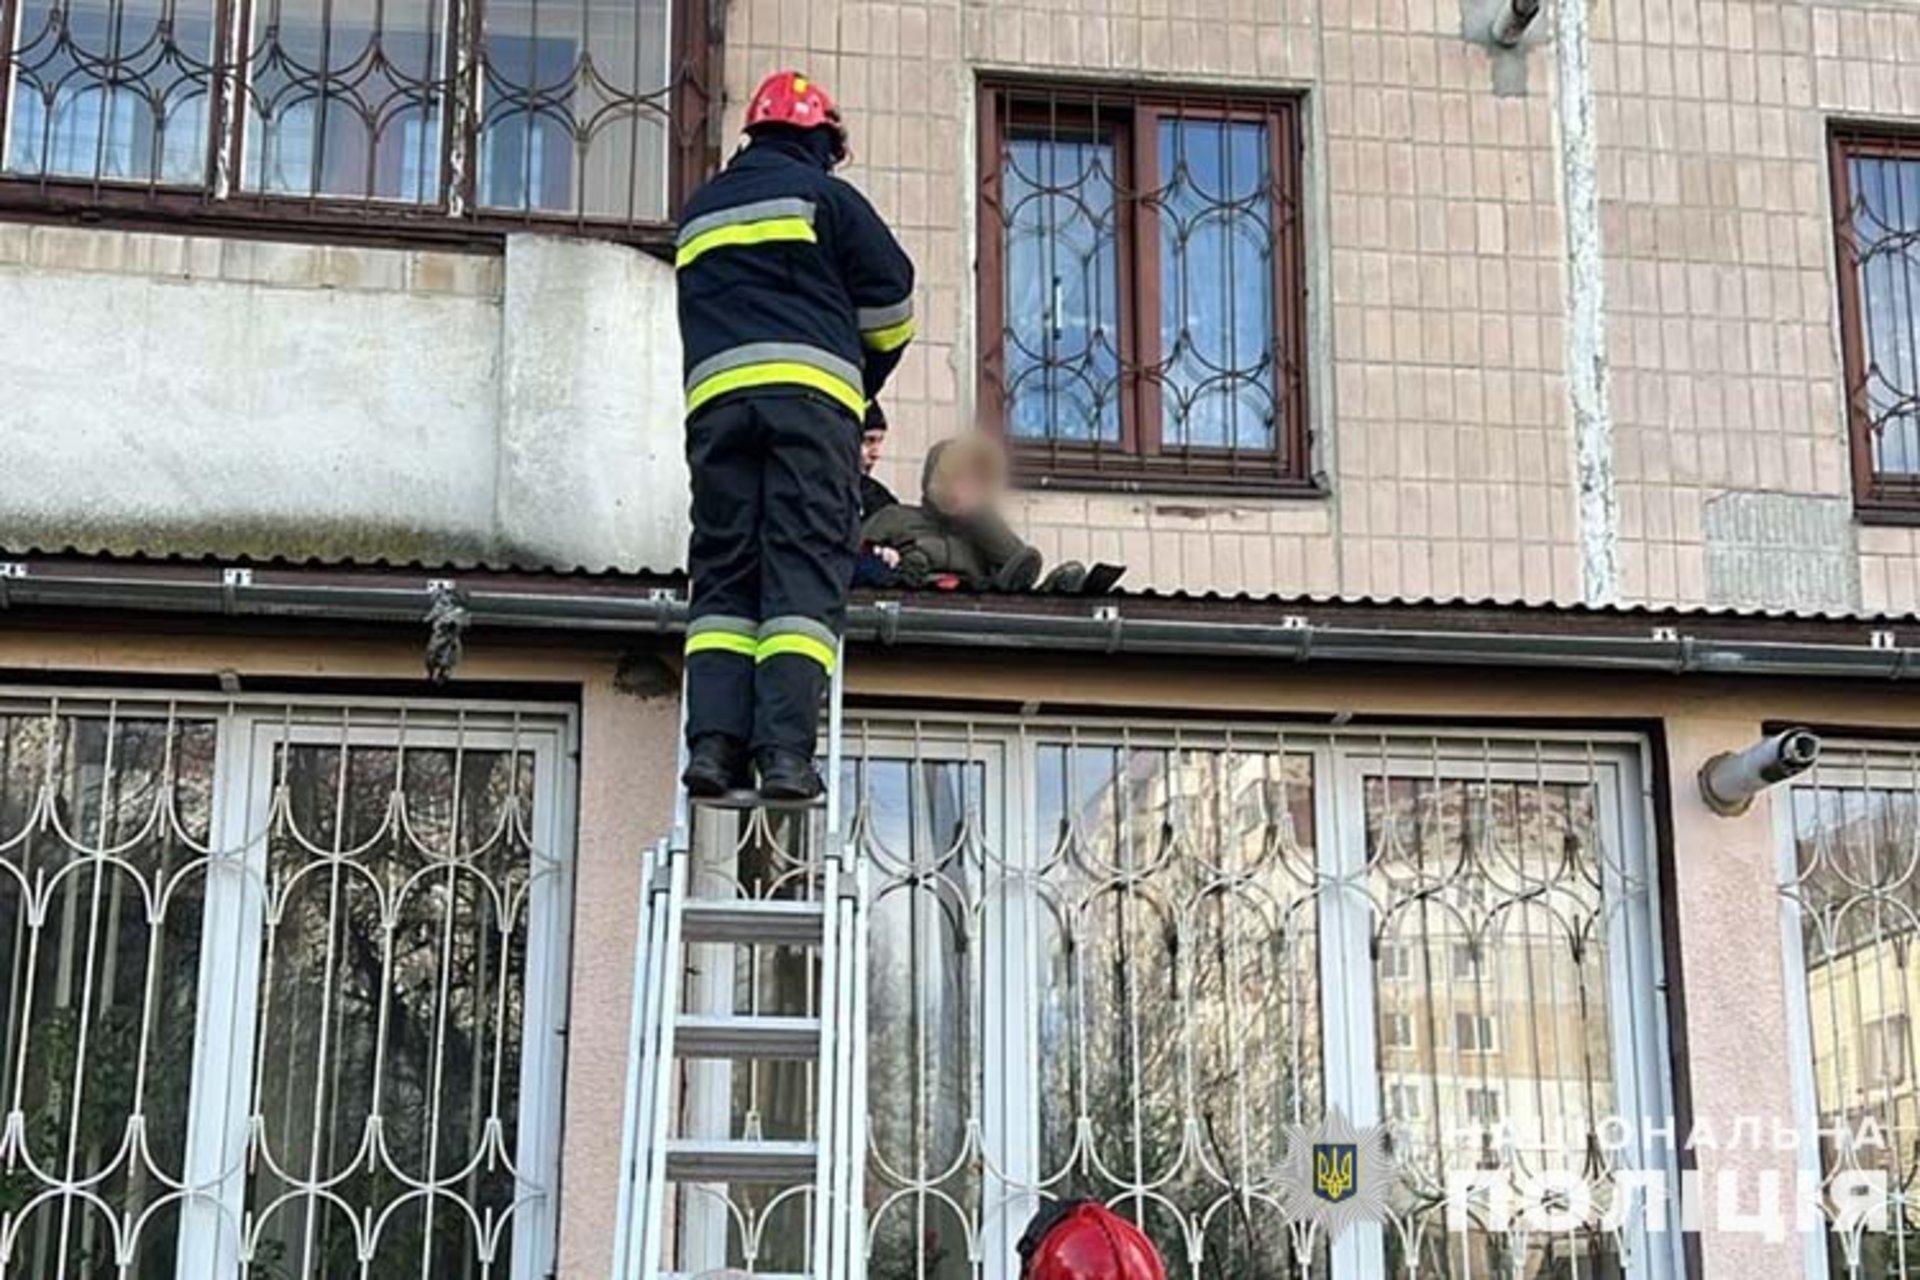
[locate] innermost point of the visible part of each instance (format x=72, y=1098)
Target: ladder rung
x=704, y=1036
x=732, y=1160
x=767, y=921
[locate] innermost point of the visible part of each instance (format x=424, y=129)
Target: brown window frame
x=1892, y=497
x=1140, y=461
x=693, y=96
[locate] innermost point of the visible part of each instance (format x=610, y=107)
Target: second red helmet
x=1085, y=1240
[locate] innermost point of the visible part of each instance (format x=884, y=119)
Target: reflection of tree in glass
x=97, y=1010
x=918, y=823
x=392, y=1003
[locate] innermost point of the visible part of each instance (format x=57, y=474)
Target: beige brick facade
x=1437, y=249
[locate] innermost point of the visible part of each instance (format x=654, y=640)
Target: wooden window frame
x=1892, y=498
x=1141, y=461
x=455, y=219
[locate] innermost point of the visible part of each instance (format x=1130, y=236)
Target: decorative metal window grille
x=1143, y=296
x=424, y=114
x=1876, y=178
x=1119, y=962
x=1851, y=837
x=282, y=989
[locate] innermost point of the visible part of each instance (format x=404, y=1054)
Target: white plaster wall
x=231, y=398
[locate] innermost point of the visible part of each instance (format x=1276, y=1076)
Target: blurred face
x=968, y=493
x=871, y=443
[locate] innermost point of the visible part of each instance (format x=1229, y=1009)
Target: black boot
x=716, y=764
x=1066, y=579
x=1019, y=572
x=788, y=776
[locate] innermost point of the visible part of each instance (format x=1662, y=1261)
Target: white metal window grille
x=1850, y=860
x=284, y=988
x=1118, y=963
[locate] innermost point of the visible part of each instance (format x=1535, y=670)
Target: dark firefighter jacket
x=789, y=278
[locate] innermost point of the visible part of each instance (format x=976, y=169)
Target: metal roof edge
x=1370, y=632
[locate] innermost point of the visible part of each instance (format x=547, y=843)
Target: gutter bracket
x=232, y=579
x=447, y=622
x=888, y=632
x=1902, y=662
x=1110, y=615
x=662, y=597
x=1303, y=650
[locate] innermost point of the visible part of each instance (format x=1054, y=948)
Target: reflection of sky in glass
x=1062, y=310
x=1216, y=281
x=127, y=84
x=1886, y=226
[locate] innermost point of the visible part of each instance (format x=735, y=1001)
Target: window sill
x=1884, y=511
x=1036, y=477
x=312, y=221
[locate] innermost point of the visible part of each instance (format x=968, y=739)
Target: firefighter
x=795, y=305
x=1085, y=1240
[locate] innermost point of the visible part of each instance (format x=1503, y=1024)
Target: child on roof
x=956, y=538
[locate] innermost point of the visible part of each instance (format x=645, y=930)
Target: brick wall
x=1437, y=251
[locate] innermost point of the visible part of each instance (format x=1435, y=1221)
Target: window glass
x=1062, y=286
x=573, y=107
x=345, y=98
x=113, y=90
x=1121, y=963
x=1886, y=224
x=1216, y=288
x=1851, y=889
x=1500, y=889
x=291, y=970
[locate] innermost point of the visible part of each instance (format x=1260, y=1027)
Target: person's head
x=789, y=105
x=1085, y=1240
x=873, y=438
x=964, y=476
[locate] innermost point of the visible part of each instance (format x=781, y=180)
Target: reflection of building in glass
x=1855, y=896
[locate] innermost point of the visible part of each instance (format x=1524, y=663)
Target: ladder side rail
x=847, y=1050
x=647, y=1191
x=854, y=1194
x=824, y=1082
x=653, y=1228
x=832, y=984
x=632, y=1113
x=657, y=1065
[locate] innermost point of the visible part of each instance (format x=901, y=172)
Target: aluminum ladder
x=830, y=924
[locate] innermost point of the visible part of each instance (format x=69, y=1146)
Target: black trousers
x=776, y=526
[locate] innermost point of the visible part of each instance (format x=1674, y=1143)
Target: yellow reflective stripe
x=891, y=338
x=805, y=646
x=767, y=231
x=722, y=641
x=775, y=373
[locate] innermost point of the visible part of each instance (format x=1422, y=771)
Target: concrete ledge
x=282, y=264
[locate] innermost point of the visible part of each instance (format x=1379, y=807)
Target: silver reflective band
x=725, y=623
x=870, y=318
x=758, y=211
x=773, y=353
x=796, y=625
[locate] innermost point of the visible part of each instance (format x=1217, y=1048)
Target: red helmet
x=1084, y=1240
x=789, y=98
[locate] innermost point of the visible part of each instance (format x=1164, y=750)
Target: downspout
x=1586, y=326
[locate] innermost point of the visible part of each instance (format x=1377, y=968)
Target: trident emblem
x=1333, y=1171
